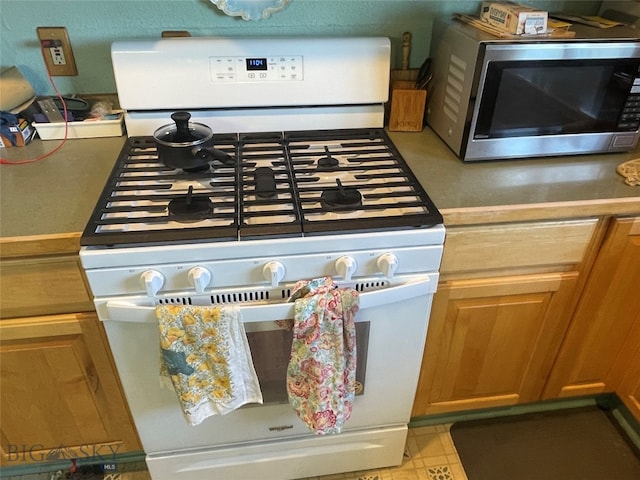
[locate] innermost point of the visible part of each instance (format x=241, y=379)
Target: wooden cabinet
x=60, y=396
x=528, y=312
x=629, y=387
x=41, y=275
x=493, y=340
x=601, y=351
x=504, y=302
x=43, y=285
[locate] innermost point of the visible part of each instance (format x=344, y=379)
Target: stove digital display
x=256, y=63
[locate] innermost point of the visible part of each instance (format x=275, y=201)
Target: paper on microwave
x=514, y=18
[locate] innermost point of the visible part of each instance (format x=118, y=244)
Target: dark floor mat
x=576, y=444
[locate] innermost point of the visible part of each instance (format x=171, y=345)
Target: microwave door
x=553, y=97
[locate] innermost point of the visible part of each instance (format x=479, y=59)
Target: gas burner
x=190, y=208
x=327, y=162
x=341, y=198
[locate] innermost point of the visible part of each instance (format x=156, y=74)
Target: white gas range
x=317, y=189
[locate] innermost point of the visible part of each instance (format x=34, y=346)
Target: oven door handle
x=122, y=311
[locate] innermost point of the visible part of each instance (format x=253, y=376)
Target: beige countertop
x=57, y=195
x=515, y=190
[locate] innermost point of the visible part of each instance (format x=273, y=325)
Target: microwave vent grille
x=453, y=89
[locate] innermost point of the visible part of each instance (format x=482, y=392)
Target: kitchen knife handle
x=406, y=49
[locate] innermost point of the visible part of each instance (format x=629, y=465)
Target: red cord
x=4, y=161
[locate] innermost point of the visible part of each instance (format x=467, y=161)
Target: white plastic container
x=87, y=129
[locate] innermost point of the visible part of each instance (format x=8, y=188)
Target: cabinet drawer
x=42, y=285
x=516, y=246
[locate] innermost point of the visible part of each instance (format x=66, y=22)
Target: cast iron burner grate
x=283, y=184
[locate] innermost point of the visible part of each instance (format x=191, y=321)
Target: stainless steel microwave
x=493, y=98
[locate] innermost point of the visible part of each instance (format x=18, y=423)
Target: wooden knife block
x=407, y=107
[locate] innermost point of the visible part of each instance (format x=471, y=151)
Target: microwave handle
x=121, y=311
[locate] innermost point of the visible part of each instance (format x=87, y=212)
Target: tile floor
x=430, y=455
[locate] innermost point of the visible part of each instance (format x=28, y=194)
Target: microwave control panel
x=274, y=68
x=630, y=115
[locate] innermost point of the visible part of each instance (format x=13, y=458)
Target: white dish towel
x=206, y=354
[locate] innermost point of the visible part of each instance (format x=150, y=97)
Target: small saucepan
x=188, y=145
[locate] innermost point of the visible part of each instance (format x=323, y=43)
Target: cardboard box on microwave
x=514, y=18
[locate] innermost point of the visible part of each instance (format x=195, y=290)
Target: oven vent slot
x=370, y=285
x=285, y=293
x=175, y=301
x=240, y=297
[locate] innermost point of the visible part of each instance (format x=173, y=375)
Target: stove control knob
x=346, y=267
x=387, y=264
x=273, y=272
x=199, y=278
x=152, y=281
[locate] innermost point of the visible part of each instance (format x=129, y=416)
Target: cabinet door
x=629, y=388
x=60, y=397
x=491, y=342
x=624, y=376
x=609, y=308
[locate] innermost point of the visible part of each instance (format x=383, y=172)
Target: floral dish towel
x=321, y=375
x=206, y=354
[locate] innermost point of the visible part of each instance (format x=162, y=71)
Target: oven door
x=392, y=323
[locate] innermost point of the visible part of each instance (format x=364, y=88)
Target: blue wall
x=93, y=24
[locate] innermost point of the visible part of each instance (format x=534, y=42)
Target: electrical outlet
x=56, y=50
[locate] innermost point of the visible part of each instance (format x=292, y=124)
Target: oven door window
x=554, y=97
x=270, y=350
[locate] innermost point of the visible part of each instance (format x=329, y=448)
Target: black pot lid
x=183, y=132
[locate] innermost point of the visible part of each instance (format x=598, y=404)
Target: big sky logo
x=38, y=453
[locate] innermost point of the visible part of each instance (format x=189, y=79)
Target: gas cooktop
x=282, y=184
